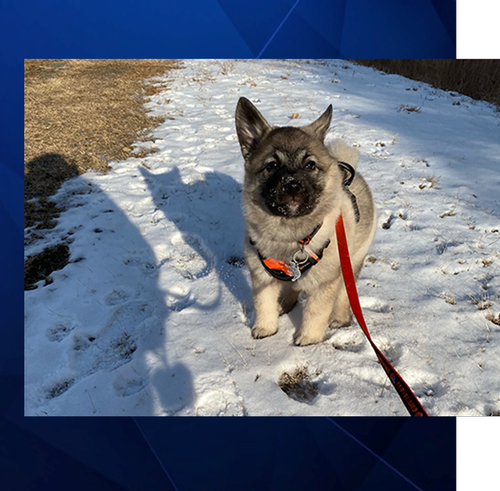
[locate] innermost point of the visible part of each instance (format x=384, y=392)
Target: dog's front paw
x=259, y=331
x=337, y=323
x=305, y=338
x=344, y=320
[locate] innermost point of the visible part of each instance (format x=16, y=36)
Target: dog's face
x=286, y=168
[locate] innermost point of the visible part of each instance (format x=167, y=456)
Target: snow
x=152, y=315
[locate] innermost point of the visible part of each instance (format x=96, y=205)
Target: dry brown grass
x=479, y=79
x=80, y=115
x=298, y=385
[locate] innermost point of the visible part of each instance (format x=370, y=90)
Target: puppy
x=294, y=190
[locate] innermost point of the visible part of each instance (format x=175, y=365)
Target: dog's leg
x=317, y=311
x=288, y=299
x=265, y=301
x=341, y=315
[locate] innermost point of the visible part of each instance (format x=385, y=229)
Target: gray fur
x=292, y=184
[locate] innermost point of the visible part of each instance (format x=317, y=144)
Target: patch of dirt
x=41, y=266
x=298, y=385
x=59, y=388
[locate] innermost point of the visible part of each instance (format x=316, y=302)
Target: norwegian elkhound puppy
x=295, y=188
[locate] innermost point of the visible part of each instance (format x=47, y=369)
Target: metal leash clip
x=296, y=274
x=299, y=259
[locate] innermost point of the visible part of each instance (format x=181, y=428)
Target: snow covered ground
x=152, y=316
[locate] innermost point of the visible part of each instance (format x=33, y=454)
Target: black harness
x=305, y=259
x=302, y=260
x=346, y=183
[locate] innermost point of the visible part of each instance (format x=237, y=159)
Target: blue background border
x=248, y=453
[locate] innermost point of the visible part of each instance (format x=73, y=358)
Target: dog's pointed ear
x=321, y=126
x=251, y=126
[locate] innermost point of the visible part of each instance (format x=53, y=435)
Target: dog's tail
x=343, y=152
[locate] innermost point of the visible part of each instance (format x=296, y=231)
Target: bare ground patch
x=298, y=385
x=40, y=266
x=79, y=115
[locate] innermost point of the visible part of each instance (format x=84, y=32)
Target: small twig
x=95, y=411
x=449, y=213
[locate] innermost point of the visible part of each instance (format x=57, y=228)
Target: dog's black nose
x=290, y=185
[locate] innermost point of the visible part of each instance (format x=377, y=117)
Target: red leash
x=405, y=393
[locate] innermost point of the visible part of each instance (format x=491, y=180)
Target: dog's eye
x=310, y=165
x=272, y=165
